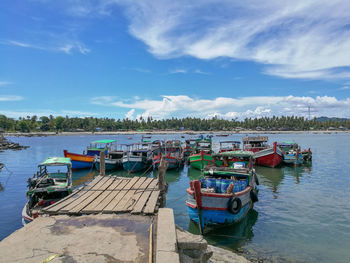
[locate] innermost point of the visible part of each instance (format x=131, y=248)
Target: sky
x=126, y=59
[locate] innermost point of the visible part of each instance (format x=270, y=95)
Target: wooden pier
x=110, y=194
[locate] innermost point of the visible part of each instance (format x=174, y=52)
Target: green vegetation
x=51, y=123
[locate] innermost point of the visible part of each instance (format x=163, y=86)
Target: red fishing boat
x=264, y=154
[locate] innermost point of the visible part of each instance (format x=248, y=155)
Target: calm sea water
x=303, y=213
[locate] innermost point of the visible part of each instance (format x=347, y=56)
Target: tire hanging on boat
x=254, y=196
x=234, y=205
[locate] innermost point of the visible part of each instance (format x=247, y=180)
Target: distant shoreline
x=38, y=134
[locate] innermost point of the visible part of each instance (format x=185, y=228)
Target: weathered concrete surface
x=223, y=255
x=166, y=237
x=94, y=238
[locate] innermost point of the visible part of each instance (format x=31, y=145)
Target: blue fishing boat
x=291, y=153
x=173, y=154
x=113, y=160
x=137, y=158
x=223, y=196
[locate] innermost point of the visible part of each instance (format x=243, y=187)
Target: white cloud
x=5, y=83
x=345, y=88
x=67, y=47
x=177, y=71
x=293, y=38
x=225, y=107
x=130, y=114
x=10, y=98
x=198, y=71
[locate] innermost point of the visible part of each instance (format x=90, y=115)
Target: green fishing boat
x=203, y=154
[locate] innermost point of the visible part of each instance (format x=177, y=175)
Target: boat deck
x=108, y=195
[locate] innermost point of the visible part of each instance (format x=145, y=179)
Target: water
x=303, y=213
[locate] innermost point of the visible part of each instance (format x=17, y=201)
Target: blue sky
x=232, y=59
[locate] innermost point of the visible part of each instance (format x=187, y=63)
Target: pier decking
x=110, y=194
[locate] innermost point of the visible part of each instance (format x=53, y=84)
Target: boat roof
x=56, y=161
x=235, y=154
x=103, y=141
x=256, y=139
x=286, y=143
x=230, y=142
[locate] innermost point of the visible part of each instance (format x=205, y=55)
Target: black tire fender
x=234, y=205
x=254, y=196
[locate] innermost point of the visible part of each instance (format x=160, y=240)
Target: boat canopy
x=237, y=142
x=255, y=139
x=103, y=141
x=56, y=161
x=235, y=154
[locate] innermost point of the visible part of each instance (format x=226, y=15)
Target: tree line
x=59, y=123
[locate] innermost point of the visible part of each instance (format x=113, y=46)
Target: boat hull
x=270, y=157
x=79, y=161
x=133, y=166
x=200, y=160
x=25, y=217
x=293, y=159
x=109, y=165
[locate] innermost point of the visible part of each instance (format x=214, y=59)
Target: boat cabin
x=229, y=146
x=255, y=144
x=95, y=147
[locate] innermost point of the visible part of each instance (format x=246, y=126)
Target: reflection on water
x=81, y=176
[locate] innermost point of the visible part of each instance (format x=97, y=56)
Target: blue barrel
x=225, y=183
x=211, y=183
x=203, y=183
x=218, y=186
x=236, y=187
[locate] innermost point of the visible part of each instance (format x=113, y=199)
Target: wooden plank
x=122, y=184
x=138, y=207
x=112, y=195
x=86, y=202
x=107, y=183
x=141, y=202
x=151, y=203
x=138, y=183
x=100, y=183
x=100, y=200
x=51, y=207
x=76, y=202
x=115, y=184
x=133, y=200
x=129, y=183
x=64, y=202
x=93, y=182
x=120, y=207
x=154, y=184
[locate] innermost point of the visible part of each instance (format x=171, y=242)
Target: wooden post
x=102, y=163
x=163, y=165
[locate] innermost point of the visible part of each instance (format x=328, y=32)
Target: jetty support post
x=163, y=165
x=102, y=163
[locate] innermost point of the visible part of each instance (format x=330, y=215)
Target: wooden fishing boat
x=173, y=154
x=189, y=147
x=202, y=155
x=51, y=183
x=231, y=158
x=292, y=153
x=86, y=160
x=223, y=196
x=226, y=146
x=113, y=160
x=137, y=159
x=222, y=135
x=264, y=154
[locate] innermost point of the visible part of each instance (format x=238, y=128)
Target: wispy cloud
x=294, y=38
x=178, y=71
x=68, y=47
x=141, y=70
x=198, y=71
x=10, y=98
x=225, y=107
x=5, y=83
x=345, y=88
x=130, y=114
